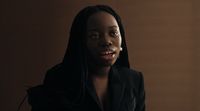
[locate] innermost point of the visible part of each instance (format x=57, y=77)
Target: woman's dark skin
x=104, y=45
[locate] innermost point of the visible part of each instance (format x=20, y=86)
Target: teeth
x=107, y=52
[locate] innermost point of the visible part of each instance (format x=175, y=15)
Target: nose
x=105, y=41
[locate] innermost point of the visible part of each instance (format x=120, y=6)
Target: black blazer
x=126, y=91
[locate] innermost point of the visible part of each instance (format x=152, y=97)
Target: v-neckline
x=115, y=91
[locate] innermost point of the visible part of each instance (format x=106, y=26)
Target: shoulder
x=41, y=96
x=132, y=77
x=37, y=96
x=130, y=73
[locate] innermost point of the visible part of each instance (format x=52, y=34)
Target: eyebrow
x=114, y=26
x=94, y=29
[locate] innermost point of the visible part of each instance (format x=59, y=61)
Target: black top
x=126, y=93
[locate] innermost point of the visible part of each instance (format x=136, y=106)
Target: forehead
x=101, y=20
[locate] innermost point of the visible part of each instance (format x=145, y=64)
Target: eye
x=114, y=33
x=93, y=35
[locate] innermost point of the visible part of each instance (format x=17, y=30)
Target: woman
x=95, y=73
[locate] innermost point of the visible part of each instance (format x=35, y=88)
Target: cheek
x=91, y=46
x=118, y=42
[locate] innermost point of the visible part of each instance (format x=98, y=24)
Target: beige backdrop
x=162, y=37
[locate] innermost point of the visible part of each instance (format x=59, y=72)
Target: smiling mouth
x=108, y=54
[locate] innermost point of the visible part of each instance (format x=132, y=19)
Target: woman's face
x=103, y=39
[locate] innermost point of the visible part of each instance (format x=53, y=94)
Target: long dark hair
x=74, y=65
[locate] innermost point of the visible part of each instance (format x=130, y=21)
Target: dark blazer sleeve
x=38, y=99
x=140, y=93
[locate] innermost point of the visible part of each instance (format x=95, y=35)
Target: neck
x=101, y=72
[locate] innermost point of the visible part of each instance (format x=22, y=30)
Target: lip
x=108, y=54
x=108, y=51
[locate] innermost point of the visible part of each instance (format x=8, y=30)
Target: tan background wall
x=162, y=36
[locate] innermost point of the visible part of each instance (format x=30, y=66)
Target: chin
x=107, y=63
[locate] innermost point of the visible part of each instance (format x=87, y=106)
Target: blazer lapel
x=92, y=93
x=116, y=89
